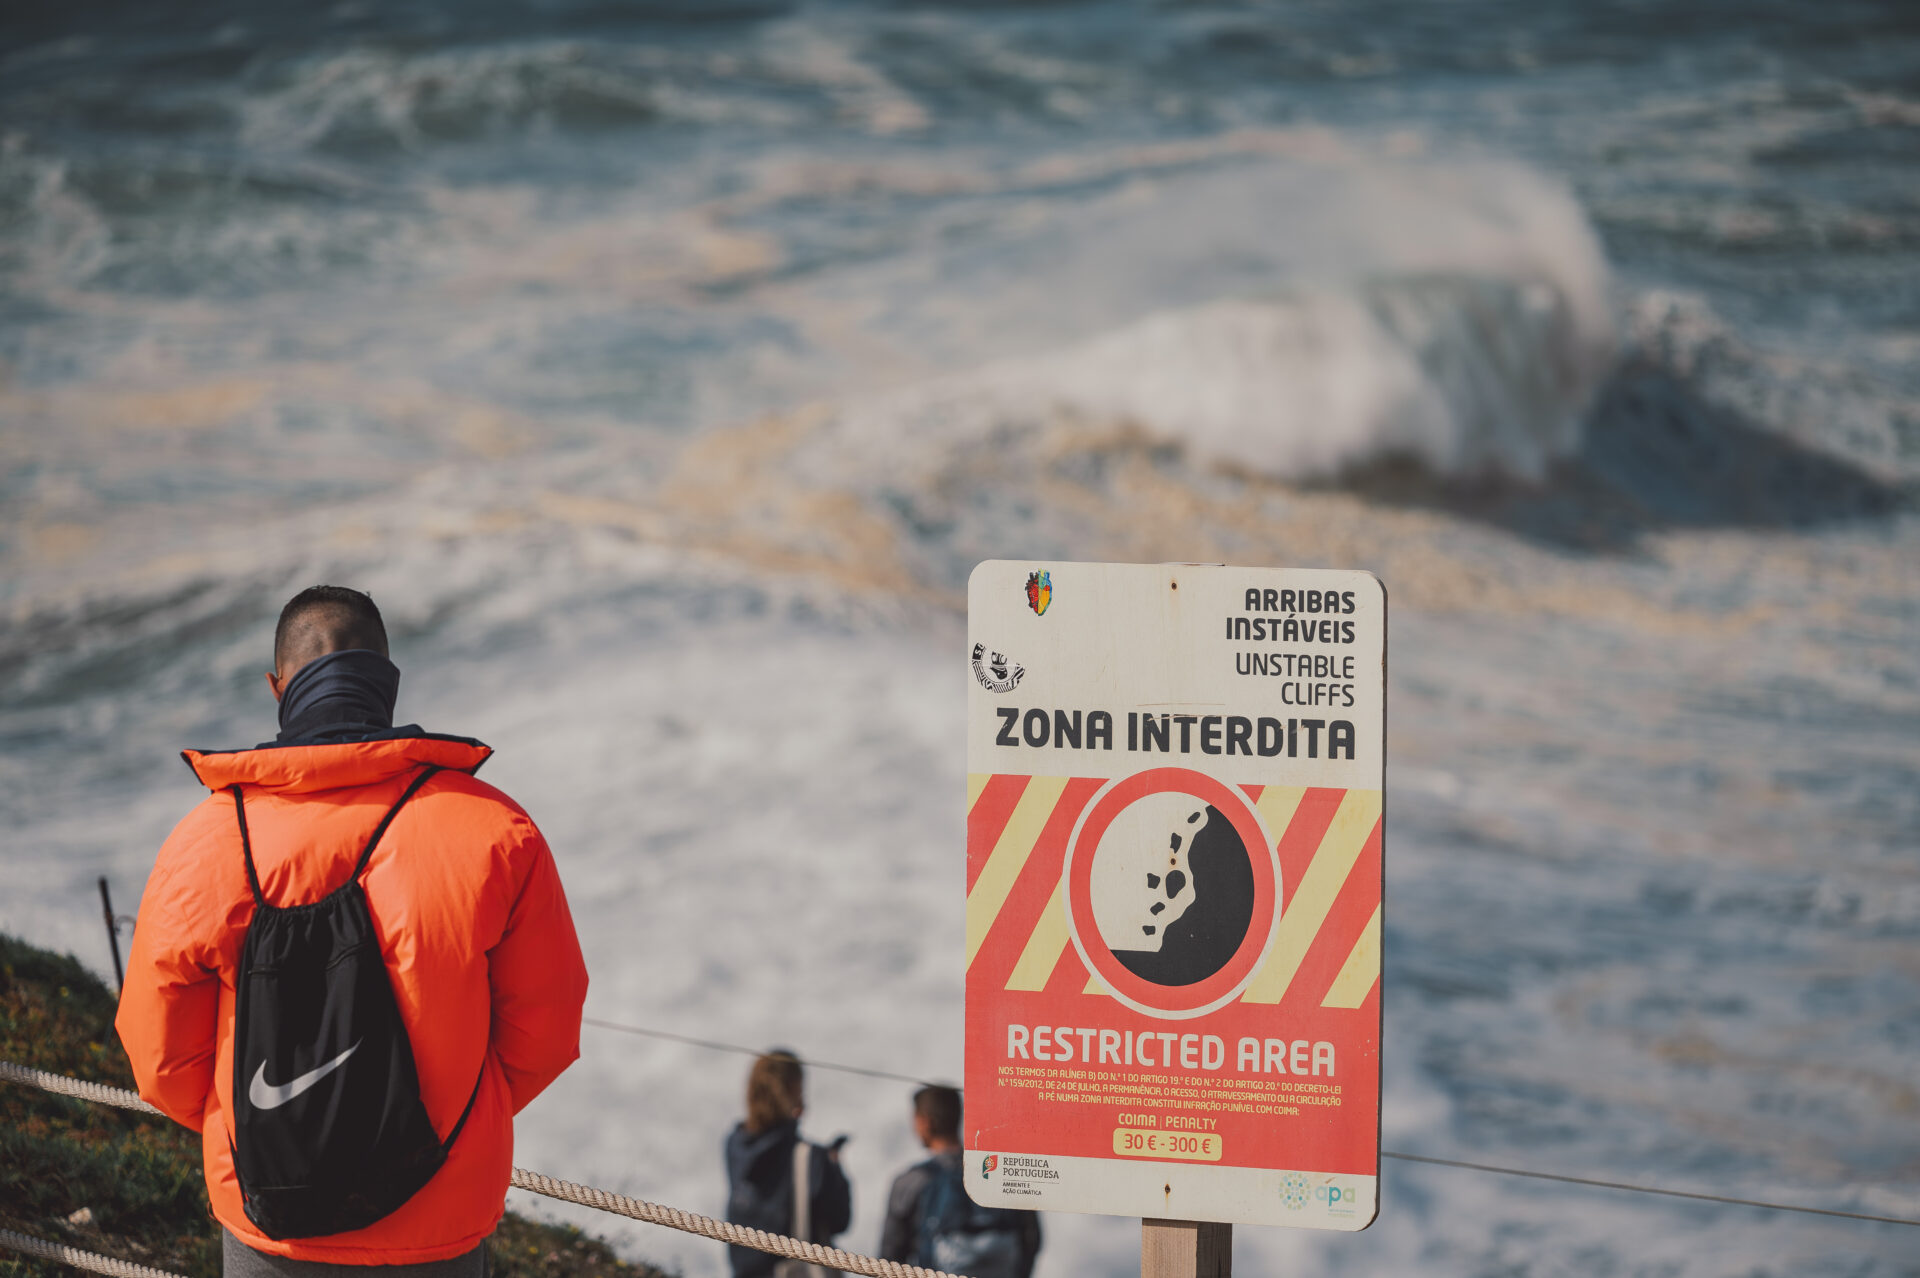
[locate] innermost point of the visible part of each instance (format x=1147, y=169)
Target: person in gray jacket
x=931, y=1222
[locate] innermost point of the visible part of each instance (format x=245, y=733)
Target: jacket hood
x=299, y=769
x=762, y=1156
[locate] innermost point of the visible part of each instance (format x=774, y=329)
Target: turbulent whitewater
x=663, y=374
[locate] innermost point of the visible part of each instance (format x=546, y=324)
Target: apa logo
x=987, y=1165
x=1338, y=1198
x=1039, y=591
x=1293, y=1191
x=995, y=671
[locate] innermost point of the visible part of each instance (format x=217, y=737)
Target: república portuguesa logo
x=1039, y=591
x=987, y=1165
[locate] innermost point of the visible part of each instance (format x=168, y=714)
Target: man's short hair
x=323, y=619
x=940, y=1107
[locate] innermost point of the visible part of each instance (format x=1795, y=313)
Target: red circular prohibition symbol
x=1170, y=1001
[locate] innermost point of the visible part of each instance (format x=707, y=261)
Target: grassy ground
x=129, y=1185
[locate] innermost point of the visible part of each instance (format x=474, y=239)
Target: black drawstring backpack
x=329, y=1132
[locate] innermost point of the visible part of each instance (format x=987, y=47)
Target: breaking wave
x=1458, y=317
x=1464, y=375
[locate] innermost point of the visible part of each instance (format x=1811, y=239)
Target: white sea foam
x=360, y=96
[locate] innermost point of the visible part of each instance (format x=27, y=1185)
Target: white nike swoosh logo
x=266, y=1096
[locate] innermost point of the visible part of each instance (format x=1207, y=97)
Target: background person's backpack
x=329, y=1132
x=802, y=1213
x=960, y=1236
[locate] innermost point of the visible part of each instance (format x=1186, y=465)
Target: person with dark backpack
x=776, y=1179
x=354, y=964
x=930, y=1220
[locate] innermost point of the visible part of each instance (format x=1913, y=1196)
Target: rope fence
x=1647, y=1189
x=726, y=1231
x=563, y=1190
x=98, y=1093
x=66, y=1255
x=718, y=1230
x=738, y=1049
x=1491, y=1169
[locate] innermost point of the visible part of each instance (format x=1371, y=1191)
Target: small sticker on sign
x=1039, y=591
x=995, y=671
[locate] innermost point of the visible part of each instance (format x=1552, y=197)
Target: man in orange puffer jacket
x=472, y=924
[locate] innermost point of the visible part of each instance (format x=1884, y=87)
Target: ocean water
x=663, y=370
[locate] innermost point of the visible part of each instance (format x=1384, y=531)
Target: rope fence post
x=113, y=935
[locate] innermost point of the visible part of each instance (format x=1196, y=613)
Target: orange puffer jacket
x=473, y=924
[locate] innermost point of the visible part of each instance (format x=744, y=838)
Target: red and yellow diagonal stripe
x=1326, y=952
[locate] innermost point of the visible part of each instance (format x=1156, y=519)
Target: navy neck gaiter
x=342, y=696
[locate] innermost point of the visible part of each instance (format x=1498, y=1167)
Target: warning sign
x=1173, y=891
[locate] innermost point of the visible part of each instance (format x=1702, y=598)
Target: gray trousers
x=237, y=1260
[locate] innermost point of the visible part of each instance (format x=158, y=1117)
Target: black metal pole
x=113, y=935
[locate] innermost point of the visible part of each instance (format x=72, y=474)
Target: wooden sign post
x=1185, y=1249
x=1173, y=916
